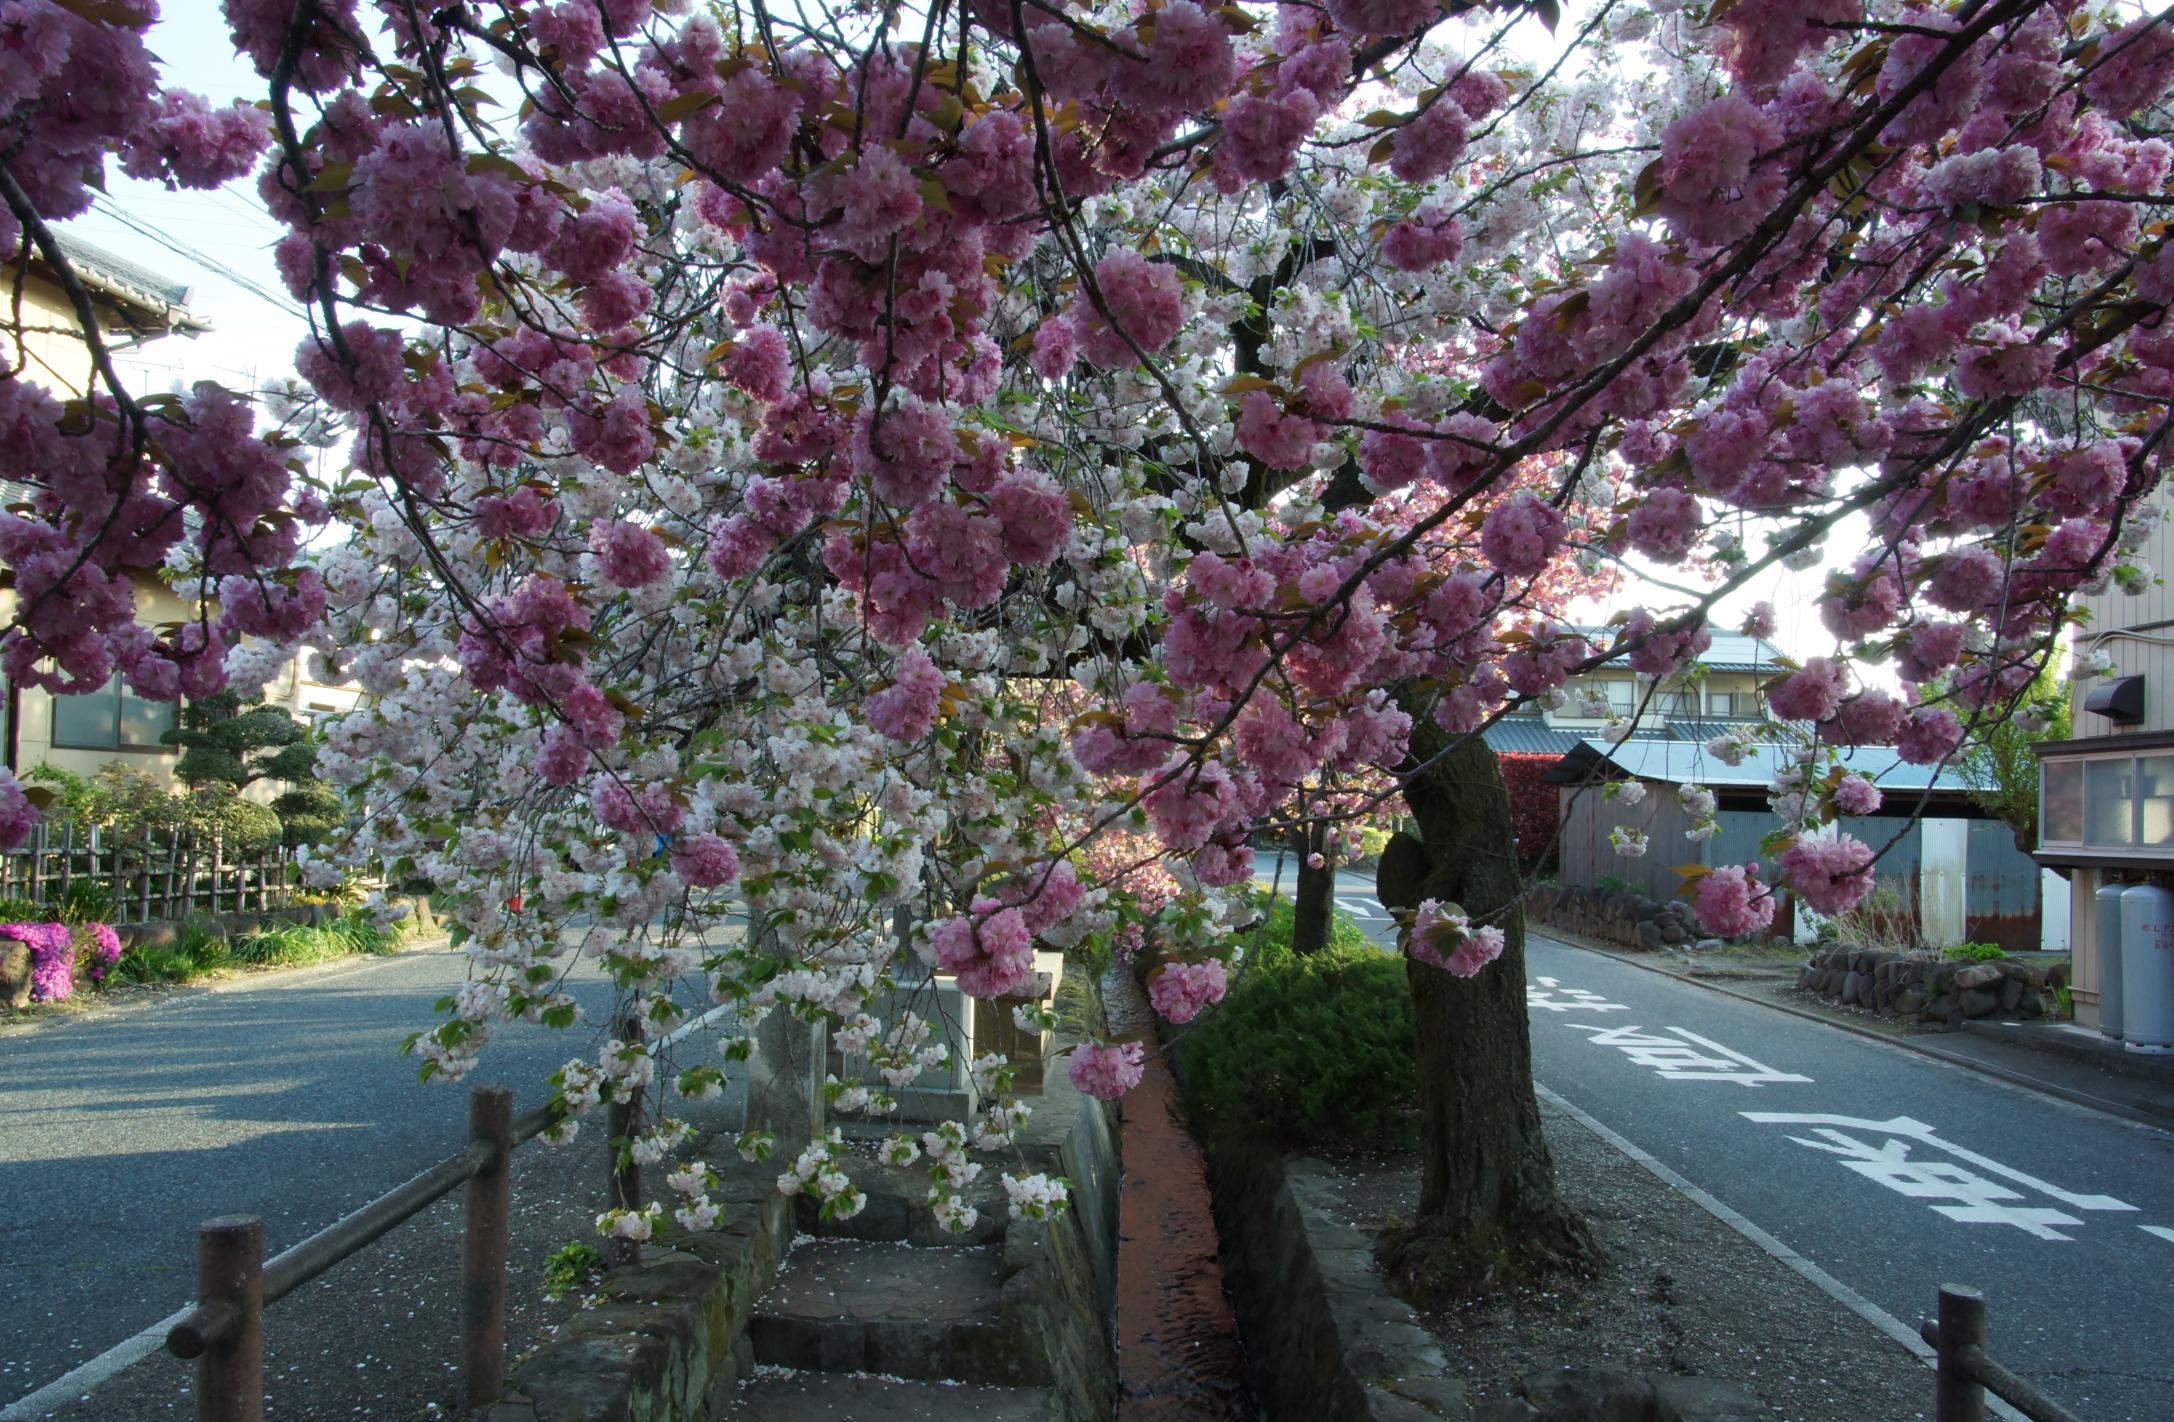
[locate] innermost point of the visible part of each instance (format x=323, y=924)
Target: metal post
x=486, y=1202
x=1958, y=1396
x=623, y=1185
x=230, y=1274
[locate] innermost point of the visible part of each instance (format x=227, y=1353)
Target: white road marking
x=1686, y=1056
x=2161, y=1231
x=1825, y=1282
x=1550, y=993
x=1919, y=1131
x=1361, y=906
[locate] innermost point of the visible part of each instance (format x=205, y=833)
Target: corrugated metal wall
x=2001, y=893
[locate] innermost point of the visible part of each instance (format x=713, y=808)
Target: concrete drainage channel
x=881, y=1318
x=1113, y=1310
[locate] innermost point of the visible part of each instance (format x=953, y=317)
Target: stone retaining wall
x=1617, y=916
x=1327, y=1341
x=669, y=1342
x=1917, y=988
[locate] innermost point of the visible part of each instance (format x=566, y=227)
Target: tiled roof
x=1731, y=651
x=120, y=271
x=1528, y=735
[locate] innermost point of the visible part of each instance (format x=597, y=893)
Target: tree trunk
x=1488, y=1211
x=1314, y=899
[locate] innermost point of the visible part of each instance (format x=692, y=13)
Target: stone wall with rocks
x=1328, y=1341
x=1918, y=988
x=1617, y=916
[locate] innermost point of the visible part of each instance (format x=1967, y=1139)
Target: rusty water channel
x=1178, y=1350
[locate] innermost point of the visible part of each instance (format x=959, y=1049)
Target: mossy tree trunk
x=1488, y=1210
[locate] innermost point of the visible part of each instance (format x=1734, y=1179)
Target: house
x=1714, y=696
x=1948, y=872
x=2106, y=795
x=112, y=725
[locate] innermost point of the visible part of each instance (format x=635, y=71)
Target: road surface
x=279, y=1095
x=1893, y=1172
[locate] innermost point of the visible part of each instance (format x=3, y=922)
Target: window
x=1721, y=703
x=1622, y=697
x=2155, y=801
x=2060, y=813
x=2109, y=808
x=1681, y=703
x=111, y=718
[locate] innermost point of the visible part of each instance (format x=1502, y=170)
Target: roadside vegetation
x=1312, y=1052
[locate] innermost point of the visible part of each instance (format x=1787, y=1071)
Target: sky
x=219, y=244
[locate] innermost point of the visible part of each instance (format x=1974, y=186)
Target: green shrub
x=1312, y=1053
x=1974, y=952
x=1274, y=937
x=20, y=911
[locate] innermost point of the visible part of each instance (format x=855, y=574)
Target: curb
x=2084, y=1099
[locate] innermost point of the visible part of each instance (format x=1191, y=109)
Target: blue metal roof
x=1688, y=763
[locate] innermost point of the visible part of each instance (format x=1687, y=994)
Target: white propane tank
x=2107, y=937
x=2147, y=969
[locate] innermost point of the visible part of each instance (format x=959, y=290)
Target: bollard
x=1958, y=1396
x=230, y=1272
x=623, y=1183
x=486, y=1202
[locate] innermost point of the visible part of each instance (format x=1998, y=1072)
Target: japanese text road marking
x=1686, y=1056
x=1967, y=1196
x=1552, y=995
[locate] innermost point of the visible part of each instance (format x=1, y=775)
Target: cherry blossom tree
x=751, y=413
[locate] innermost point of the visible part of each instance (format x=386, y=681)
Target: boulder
x=1715, y=945
x=1977, y=976
x=14, y=973
x=1975, y=1002
x=1909, y=1001
x=1649, y=936
x=1852, y=987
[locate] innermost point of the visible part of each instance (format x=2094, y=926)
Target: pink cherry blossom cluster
x=1443, y=936
x=1180, y=991
x=1106, y=1071
x=1732, y=903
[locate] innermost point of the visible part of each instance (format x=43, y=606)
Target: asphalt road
x=279, y=1095
x=1893, y=1172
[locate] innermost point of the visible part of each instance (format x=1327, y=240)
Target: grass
x=203, y=949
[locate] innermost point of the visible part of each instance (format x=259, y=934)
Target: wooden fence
x=162, y=874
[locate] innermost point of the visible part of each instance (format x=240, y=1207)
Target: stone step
x=861, y=1306
x=780, y=1395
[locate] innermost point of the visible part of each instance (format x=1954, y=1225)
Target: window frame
x=115, y=745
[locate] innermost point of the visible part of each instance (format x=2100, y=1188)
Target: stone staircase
x=881, y=1318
